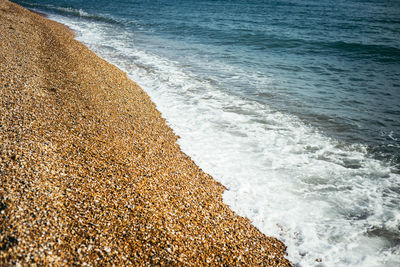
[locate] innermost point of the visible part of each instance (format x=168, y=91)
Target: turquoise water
x=293, y=105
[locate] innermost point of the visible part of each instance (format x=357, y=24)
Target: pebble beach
x=90, y=172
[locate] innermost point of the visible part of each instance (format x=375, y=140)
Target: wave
x=259, y=40
x=69, y=11
x=386, y=53
x=379, y=53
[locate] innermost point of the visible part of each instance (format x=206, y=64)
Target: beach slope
x=91, y=173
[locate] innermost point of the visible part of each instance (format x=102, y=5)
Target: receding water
x=293, y=105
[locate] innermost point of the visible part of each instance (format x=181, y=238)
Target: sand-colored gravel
x=90, y=172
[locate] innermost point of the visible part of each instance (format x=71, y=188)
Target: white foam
x=320, y=197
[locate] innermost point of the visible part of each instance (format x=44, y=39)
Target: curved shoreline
x=90, y=171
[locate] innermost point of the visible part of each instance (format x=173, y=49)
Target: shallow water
x=293, y=105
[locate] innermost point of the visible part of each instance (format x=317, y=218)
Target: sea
x=293, y=105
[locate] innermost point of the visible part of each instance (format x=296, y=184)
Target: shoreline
x=37, y=12
x=92, y=173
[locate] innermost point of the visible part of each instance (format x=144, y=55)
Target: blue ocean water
x=293, y=105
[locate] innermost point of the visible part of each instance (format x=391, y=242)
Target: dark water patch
x=391, y=236
x=379, y=53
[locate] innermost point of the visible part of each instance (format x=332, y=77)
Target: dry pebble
x=90, y=172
